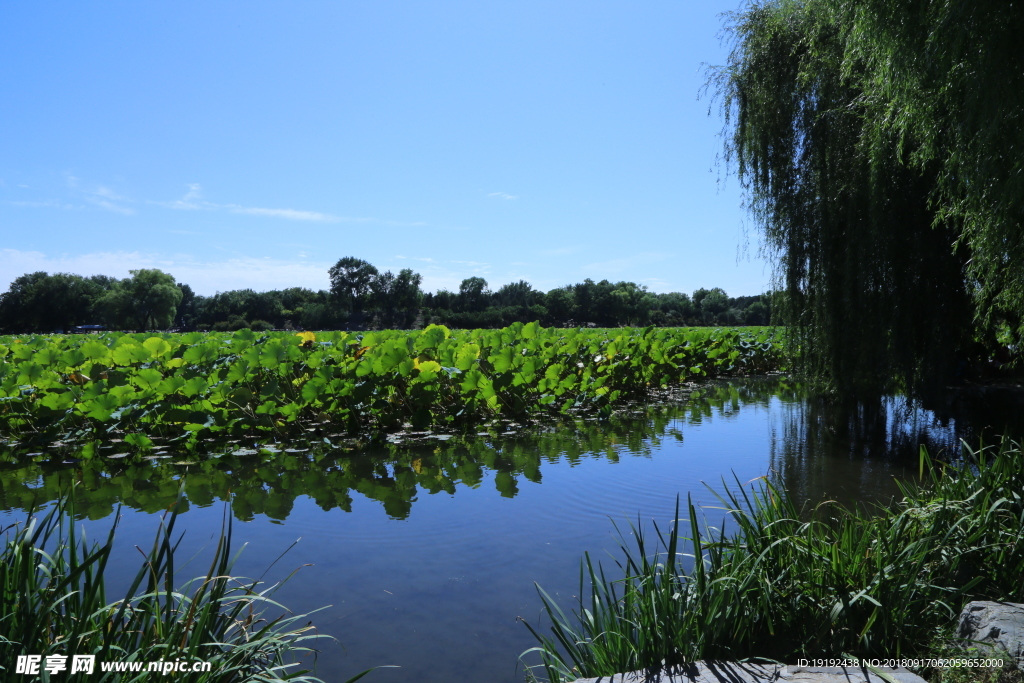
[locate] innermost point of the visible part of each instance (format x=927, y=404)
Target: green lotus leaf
x=58, y=400
x=96, y=351
x=505, y=359
x=201, y=353
x=311, y=390
x=239, y=371
x=101, y=407
x=389, y=358
x=431, y=337
x=47, y=356
x=140, y=441
x=554, y=371
x=273, y=354
x=171, y=385
x=471, y=380
x=428, y=370
x=289, y=410
x=194, y=386
x=129, y=354
x=26, y=352
x=124, y=392
x=29, y=372
x=157, y=347
x=466, y=356
x=267, y=408
x=148, y=378
x=270, y=388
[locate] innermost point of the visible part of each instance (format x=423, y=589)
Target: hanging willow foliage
x=874, y=185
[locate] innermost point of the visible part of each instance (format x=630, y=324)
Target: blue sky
x=252, y=144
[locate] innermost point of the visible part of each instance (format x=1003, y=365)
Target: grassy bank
x=784, y=583
x=54, y=603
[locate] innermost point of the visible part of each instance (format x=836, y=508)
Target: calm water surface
x=427, y=554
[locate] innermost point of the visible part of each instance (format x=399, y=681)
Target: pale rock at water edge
x=739, y=672
x=999, y=625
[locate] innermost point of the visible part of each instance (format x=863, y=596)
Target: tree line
x=360, y=297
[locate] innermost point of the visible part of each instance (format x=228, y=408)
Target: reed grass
x=54, y=602
x=788, y=583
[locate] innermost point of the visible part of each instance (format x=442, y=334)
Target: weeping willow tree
x=879, y=146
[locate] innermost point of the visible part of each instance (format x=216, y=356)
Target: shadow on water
x=428, y=546
x=817, y=448
x=853, y=452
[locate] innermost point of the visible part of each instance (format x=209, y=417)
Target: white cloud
x=192, y=201
x=102, y=197
x=109, y=206
x=289, y=214
x=49, y=203
x=503, y=195
x=105, y=198
x=205, y=276
x=189, y=201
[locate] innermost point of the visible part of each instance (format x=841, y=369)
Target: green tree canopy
x=351, y=279
x=879, y=145
x=473, y=294
x=148, y=299
x=39, y=302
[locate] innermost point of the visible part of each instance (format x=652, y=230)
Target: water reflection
x=817, y=448
x=428, y=547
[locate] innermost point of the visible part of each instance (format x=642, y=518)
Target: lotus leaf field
x=196, y=387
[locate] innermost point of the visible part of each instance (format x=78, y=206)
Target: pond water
x=427, y=552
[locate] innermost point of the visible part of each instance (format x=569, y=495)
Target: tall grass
x=54, y=602
x=790, y=583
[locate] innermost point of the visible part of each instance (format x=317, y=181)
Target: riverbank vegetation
x=777, y=582
x=199, y=387
x=54, y=604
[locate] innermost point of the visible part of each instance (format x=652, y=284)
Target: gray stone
x=738, y=672
x=994, y=628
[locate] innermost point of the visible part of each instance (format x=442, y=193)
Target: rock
x=738, y=672
x=994, y=628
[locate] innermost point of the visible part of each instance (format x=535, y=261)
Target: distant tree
x=631, y=304
x=515, y=294
x=756, y=314
x=39, y=302
x=473, y=294
x=676, y=306
x=560, y=304
x=405, y=292
x=147, y=300
x=441, y=299
x=186, y=311
x=350, y=281
x=713, y=303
